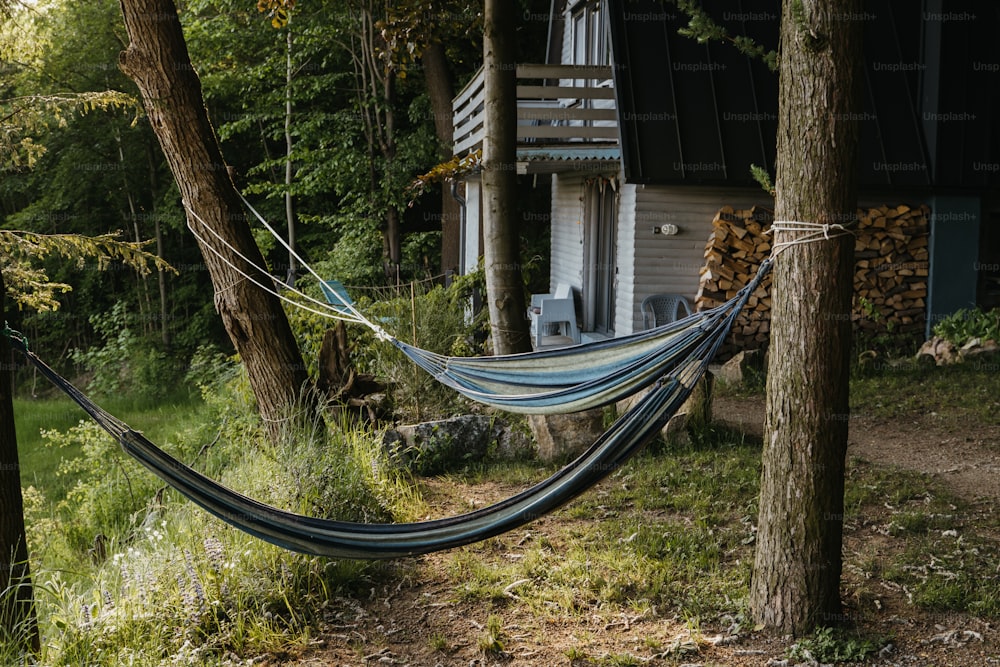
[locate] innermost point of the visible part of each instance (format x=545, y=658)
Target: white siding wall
x=625, y=283
x=671, y=264
x=567, y=231
x=473, y=219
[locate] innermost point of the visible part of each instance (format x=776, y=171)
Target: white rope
x=329, y=310
x=287, y=246
x=813, y=231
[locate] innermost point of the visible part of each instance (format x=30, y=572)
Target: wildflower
x=215, y=553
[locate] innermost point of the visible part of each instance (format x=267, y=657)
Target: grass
x=958, y=393
x=670, y=529
x=125, y=575
x=160, y=421
x=671, y=534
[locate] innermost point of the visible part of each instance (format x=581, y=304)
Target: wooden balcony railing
x=556, y=104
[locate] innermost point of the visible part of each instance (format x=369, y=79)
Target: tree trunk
x=797, y=567
x=440, y=91
x=161, y=274
x=501, y=249
x=157, y=60
x=289, y=206
x=17, y=613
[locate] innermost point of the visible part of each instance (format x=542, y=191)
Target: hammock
x=339, y=539
x=562, y=380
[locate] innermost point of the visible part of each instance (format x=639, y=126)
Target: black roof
x=703, y=113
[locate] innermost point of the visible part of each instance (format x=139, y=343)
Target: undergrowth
x=126, y=571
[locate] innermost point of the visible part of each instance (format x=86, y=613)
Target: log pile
x=890, y=271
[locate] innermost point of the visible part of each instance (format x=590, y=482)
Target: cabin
x=644, y=135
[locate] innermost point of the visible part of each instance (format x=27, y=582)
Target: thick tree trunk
x=797, y=568
x=157, y=60
x=17, y=613
x=440, y=91
x=504, y=286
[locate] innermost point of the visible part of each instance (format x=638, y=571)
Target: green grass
x=160, y=421
x=943, y=551
x=170, y=583
x=958, y=393
x=671, y=529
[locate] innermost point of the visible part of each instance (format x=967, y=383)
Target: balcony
x=563, y=112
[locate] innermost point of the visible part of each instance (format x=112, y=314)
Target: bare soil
x=397, y=621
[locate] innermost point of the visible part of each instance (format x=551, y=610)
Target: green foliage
x=763, y=178
x=422, y=253
x=356, y=256
x=209, y=366
x=491, y=641
x=166, y=583
x=109, y=492
x=23, y=119
x=965, y=324
x=425, y=314
x=127, y=362
x=703, y=28
x=433, y=318
x=29, y=285
x=829, y=645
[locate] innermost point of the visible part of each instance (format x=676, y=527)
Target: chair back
x=660, y=309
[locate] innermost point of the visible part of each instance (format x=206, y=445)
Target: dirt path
x=966, y=460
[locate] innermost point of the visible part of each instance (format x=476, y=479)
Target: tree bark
x=440, y=91
x=17, y=612
x=161, y=274
x=501, y=250
x=797, y=567
x=157, y=60
x=289, y=205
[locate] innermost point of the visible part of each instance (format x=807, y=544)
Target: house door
x=600, y=251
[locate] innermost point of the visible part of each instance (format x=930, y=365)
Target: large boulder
x=448, y=444
x=560, y=438
x=745, y=367
x=435, y=446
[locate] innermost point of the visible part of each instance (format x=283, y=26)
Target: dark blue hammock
x=341, y=539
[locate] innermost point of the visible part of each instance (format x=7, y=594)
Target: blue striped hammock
x=562, y=380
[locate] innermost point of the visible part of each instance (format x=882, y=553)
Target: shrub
x=431, y=316
x=126, y=363
x=170, y=584
x=965, y=324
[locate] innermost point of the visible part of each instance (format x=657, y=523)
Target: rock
x=745, y=366
x=694, y=415
x=513, y=441
x=435, y=446
x=979, y=348
x=943, y=352
x=562, y=437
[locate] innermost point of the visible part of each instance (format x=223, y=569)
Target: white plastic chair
x=555, y=309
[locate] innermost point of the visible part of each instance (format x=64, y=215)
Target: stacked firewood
x=890, y=271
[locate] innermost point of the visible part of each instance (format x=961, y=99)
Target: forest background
x=325, y=115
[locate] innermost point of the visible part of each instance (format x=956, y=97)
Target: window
x=590, y=42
